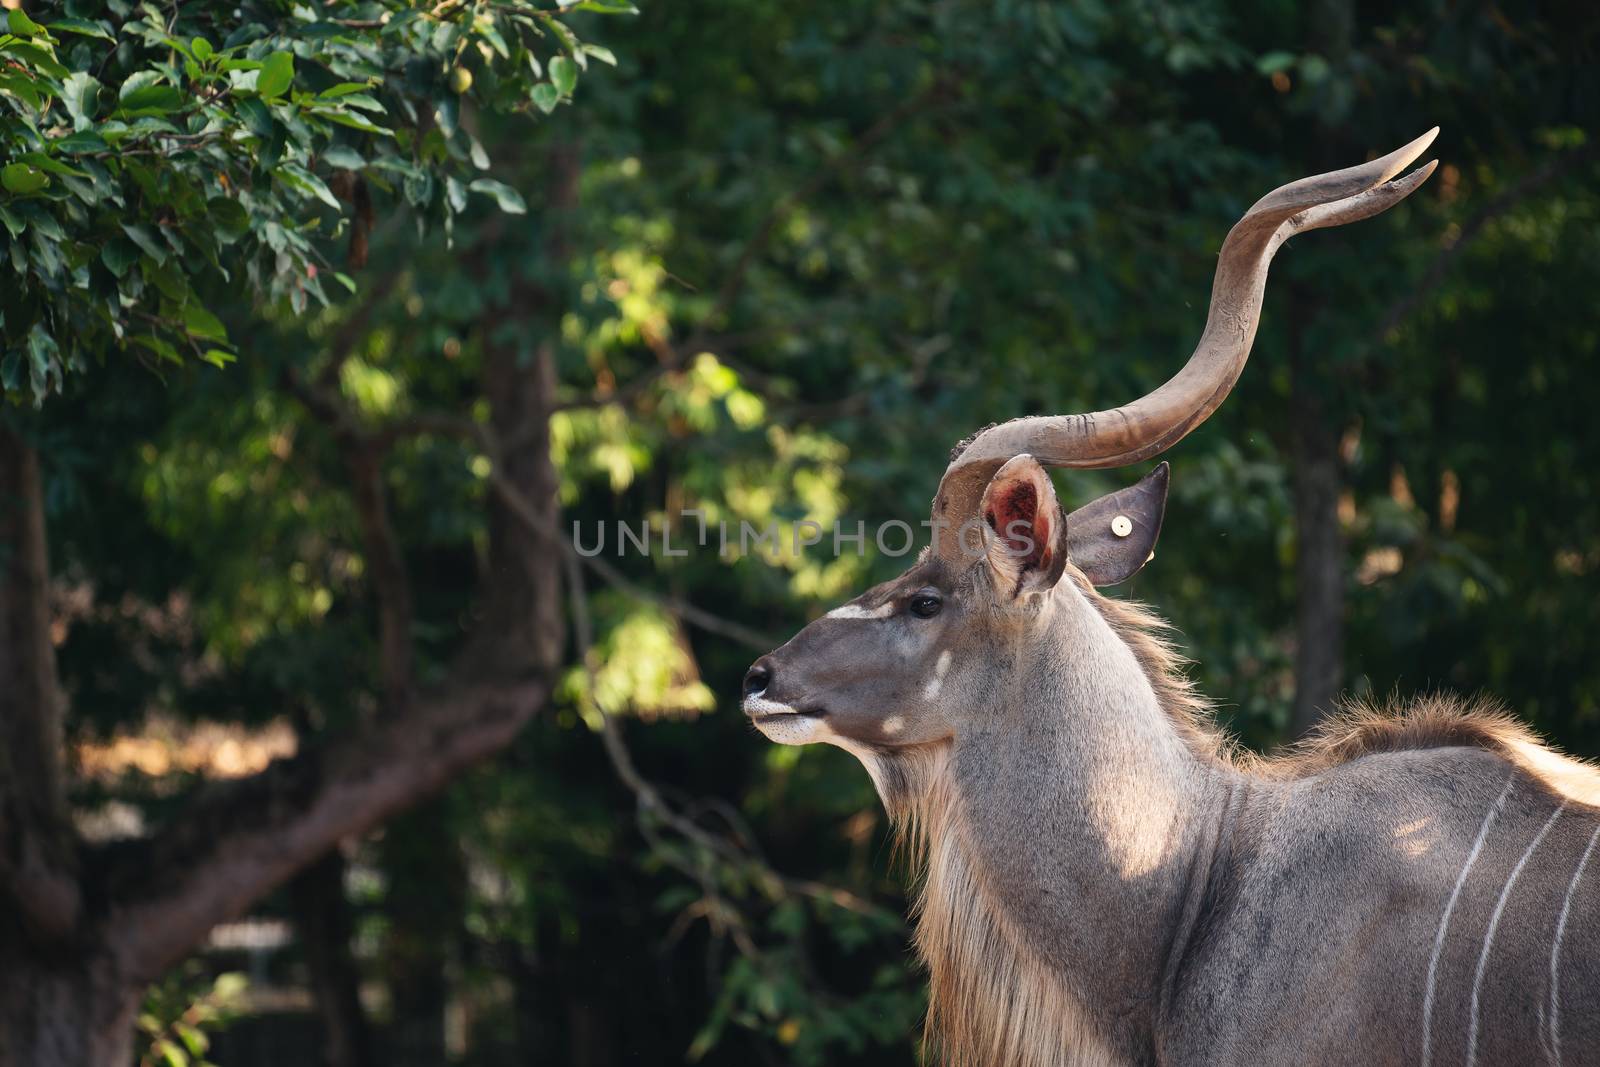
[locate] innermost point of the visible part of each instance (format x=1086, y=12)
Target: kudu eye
x=926, y=605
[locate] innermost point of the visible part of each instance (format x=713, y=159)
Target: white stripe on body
x=1555, y=951
x=1444, y=920
x=1494, y=924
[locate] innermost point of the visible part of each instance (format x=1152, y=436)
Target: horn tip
x=1424, y=141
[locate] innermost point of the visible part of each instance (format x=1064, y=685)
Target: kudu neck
x=1083, y=811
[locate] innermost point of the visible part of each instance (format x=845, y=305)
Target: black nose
x=758, y=677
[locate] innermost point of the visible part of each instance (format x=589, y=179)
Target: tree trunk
x=1319, y=545
x=39, y=897
x=524, y=610
x=322, y=919
x=65, y=1012
x=427, y=893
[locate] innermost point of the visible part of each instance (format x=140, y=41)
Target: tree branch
x=522, y=508
x=391, y=586
x=652, y=803
x=240, y=839
x=524, y=511
x=354, y=327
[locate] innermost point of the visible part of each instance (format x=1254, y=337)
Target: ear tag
x=1122, y=526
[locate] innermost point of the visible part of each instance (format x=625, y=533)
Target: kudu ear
x=1109, y=539
x=1029, y=549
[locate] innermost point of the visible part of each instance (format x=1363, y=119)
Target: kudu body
x=1106, y=880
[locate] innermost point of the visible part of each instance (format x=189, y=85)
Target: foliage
x=180, y=1014
x=150, y=155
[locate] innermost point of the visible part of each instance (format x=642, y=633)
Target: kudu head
x=907, y=664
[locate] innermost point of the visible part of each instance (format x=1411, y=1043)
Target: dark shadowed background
x=773, y=266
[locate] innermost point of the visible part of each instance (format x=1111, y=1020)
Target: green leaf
x=80, y=94
x=218, y=357
x=158, y=346
x=118, y=255
x=455, y=194
x=14, y=222
x=343, y=89
x=142, y=237
x=44, y=162
x=40, y=58
x=25, y=87
x=138, y=80
x=142, y=94
x=600, y=52
x=82, y=27
x=509, y=199
x=608, y=7
x=306, y=183
x=230, y=216
x=546, y=97
x=568, y=39
x=229, y=986
x=257, y=119
x=11, y=372
x=194, y=1039
x=169, y=280
x=344, y=157
x=202, y=49
x=363, y=102
x=21, y=25
x=22, y=179
x=355, y=122
x=277, y=74
x=155, y=100
x=43, y=360
x=42, y=222
x=1272, y=62
x=82, y=141
x=202, y=323
x=564, y=75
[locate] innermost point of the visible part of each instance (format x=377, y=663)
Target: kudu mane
x=991, y=1000
x=1356, y=729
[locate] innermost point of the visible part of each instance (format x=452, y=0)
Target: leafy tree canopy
x=150, y=155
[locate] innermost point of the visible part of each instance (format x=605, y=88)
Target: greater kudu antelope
x=1107, y=880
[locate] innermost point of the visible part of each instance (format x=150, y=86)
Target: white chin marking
x=781, y=723
x=791, y=729
x=854, y=611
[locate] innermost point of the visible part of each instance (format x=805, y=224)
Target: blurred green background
x=777, y=263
